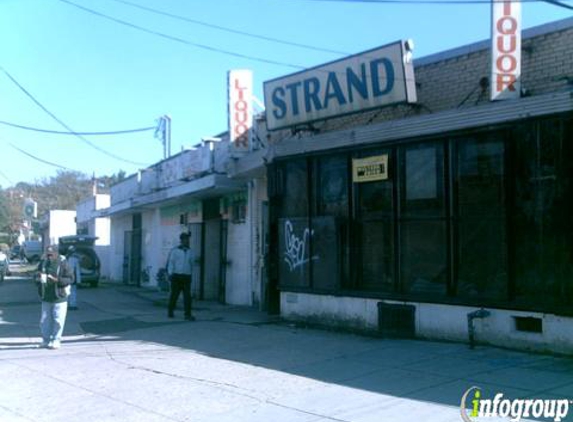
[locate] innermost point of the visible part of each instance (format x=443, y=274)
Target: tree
x=61, y=192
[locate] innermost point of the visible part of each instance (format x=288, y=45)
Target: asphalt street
x=122, y=359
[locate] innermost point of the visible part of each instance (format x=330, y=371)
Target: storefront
x=439, y=207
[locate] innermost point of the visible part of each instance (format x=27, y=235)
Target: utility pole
x=163, y=133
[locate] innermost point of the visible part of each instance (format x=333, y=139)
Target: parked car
x=4, y=265
x=15, y=252
x=32, y=250
x=89, y=261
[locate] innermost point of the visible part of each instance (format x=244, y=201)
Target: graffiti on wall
x=297, y=252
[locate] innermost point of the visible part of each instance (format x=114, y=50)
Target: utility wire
x=230, y=30
x=6, y=177
x=53, y=116
x=190, y=43
x=443, y=2
x=57, y=132
x=40, y=159
x=559, y=4
x=182, y=40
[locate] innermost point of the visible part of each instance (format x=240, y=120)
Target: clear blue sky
x=98, y=75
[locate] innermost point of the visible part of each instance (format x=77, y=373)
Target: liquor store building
x=407, y=218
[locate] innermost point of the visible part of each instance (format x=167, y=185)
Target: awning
x=493, y=113
x=209, y=186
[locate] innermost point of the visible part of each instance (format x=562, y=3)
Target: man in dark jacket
x=54, y=288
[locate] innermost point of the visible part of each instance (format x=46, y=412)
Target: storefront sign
x=370, y=169
x=240, y=109
x=505, y=50
x=372, y=79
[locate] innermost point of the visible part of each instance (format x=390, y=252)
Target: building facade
x=468, y=208
x=90, y=222
x=188, y=192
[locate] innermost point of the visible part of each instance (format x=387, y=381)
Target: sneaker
x=190, y=318
x=54, y=345
x=44, y=344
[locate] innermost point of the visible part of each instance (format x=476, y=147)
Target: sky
x=109, y=65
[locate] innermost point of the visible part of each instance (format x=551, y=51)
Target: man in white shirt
x=179, y=269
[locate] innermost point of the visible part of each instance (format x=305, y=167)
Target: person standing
x=179, y=269
x=53, y=288
x=74, y=263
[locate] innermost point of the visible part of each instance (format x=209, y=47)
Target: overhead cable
x=53, y=116
x=230, y=30
x=40, y=159
x=559, y=4
x=193, y=44
x=57, y=132
x=443, y=2
x=6, y=177
x=182, y=40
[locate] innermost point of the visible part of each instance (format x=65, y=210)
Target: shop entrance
x=213, y=282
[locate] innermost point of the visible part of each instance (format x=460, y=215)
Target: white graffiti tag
x=296, y=248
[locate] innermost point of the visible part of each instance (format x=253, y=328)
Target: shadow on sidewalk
x=406, y=369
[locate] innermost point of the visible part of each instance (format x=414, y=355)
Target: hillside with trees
x=60, y=192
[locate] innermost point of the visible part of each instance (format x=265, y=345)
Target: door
x=212, y=260
x=196, y=245
x=132, y=253
x=265, y=255
x=136, y=251
x=127, y=235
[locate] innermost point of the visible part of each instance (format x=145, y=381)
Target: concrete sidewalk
x=123, y=360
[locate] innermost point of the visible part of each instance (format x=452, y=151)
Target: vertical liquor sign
x=240, y=85
x=505, y=78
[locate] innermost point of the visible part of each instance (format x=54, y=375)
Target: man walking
x=74, y=263
x=179, y=269
x=54, y=288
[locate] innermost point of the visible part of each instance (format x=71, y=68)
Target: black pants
x=180, y=283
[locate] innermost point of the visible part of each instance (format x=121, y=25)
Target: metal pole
x=168, y=134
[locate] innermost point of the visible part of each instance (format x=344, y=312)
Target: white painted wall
x=434, y=321
x=119, y=224
x=61, y=223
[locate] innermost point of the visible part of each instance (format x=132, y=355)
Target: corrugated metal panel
x=431, y=124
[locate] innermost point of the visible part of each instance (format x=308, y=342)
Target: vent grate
x=528, y=324
x=396, y=320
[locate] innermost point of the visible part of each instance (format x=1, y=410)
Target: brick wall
x=451, y=80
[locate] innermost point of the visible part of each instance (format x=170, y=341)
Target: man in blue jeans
x=179, y=270
x=53, y=288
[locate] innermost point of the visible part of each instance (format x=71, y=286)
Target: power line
x=182, y=40
x=6, y=177
x=53, y=116
x=189, y=43
x=40, y=159
x=230, y=30
x=559, y=4
x=57, y=132
x=443, y=2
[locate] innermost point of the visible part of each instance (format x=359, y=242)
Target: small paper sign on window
x=370, y=169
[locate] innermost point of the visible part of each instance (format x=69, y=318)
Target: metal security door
x=212, y=259
x=126, y=256
x=196, y=245
x=135, y=249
